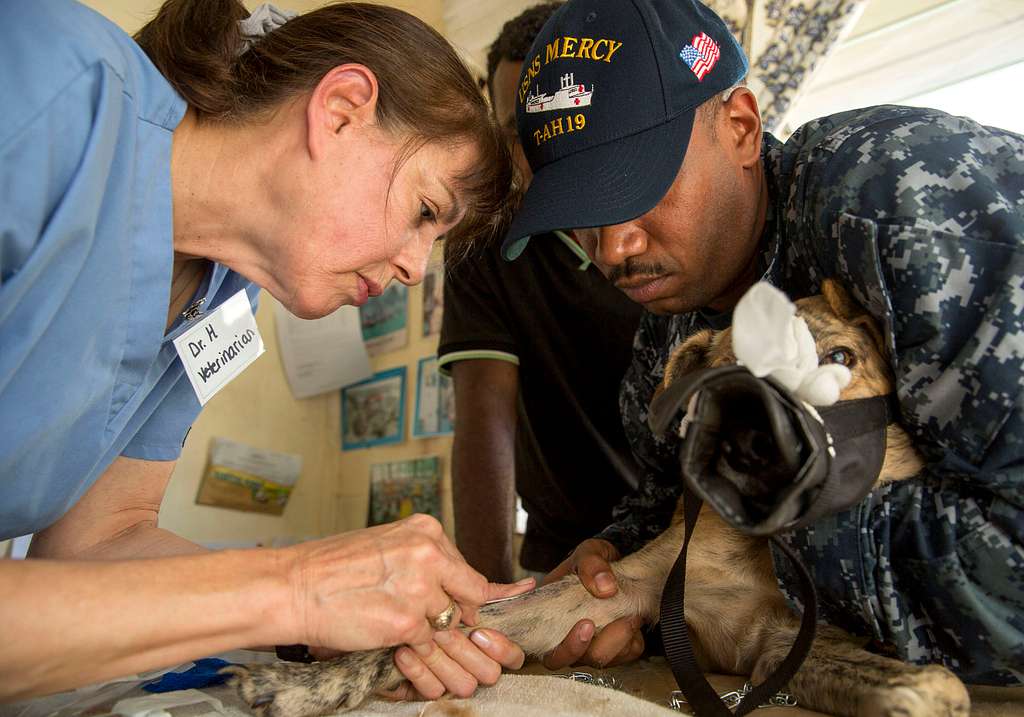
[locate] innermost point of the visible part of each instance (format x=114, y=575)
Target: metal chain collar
x=597, y=680
x=732, y=698
x=676, y=701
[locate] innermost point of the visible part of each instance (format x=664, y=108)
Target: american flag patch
x=700, y=56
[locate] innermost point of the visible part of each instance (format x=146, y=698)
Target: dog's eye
x=842, y=356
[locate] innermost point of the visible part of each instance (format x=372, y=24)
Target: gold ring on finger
x=443, y=620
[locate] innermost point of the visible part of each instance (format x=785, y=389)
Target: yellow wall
x=257, y=408
x=354, y=466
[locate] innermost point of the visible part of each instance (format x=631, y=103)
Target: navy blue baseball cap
x=606, y=101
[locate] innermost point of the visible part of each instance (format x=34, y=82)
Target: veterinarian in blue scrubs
x=919, y=214
x=145, y=194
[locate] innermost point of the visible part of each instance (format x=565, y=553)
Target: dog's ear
x=840, y=301
x=846, y=308
x=691, y=355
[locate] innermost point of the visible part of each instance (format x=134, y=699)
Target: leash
x=679, y=649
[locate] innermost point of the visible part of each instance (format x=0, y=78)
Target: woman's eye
x=841, y=356
x=426, y=212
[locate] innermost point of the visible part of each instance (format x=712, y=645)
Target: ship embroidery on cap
x=570, y=96
x=701, y=55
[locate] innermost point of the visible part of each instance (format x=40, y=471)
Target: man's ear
x=345, y=97
x=742, y=126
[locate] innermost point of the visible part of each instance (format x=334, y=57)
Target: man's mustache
x=632, y=268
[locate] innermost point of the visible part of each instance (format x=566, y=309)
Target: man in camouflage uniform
x=919, y=214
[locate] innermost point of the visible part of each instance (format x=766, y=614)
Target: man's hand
x=620, y=641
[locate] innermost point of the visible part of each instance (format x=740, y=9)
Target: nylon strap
x=679, y=649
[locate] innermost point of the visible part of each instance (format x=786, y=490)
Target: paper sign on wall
x=321, y=355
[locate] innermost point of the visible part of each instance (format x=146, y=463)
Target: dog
x=738, y=618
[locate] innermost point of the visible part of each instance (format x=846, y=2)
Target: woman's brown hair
x=424, y=89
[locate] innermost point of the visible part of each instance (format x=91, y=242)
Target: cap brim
x=601, y=186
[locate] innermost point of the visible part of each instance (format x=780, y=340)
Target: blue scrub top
x=86, y=372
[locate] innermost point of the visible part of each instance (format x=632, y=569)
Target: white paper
x=323, y=354
x=157, y=705
x=97, y=698
x=220, y=346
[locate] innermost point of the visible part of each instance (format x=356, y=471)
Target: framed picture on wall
x=401, y=488
x=384, y=320
x=435, y=401
x=433, y=300
x=373, y=411
x=248, y=478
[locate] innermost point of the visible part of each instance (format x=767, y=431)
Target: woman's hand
x=455, y=663
x=380, y=586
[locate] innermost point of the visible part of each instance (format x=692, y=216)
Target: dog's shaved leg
x=840, y=677
x=539, y=621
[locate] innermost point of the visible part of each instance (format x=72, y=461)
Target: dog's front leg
x=538, y=622
x=291, y=689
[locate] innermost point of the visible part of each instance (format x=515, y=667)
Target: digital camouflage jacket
x=921, y=216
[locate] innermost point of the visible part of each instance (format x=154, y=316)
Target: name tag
x=220, y=347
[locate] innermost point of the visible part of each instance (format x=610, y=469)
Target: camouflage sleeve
x=647, y=511
x=935, y=565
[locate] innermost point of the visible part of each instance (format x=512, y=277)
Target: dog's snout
x=748, y=450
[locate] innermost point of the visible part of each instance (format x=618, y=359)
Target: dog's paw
x=932, y=691
x=291, y=690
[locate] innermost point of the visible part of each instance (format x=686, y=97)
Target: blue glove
x=204, y=673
